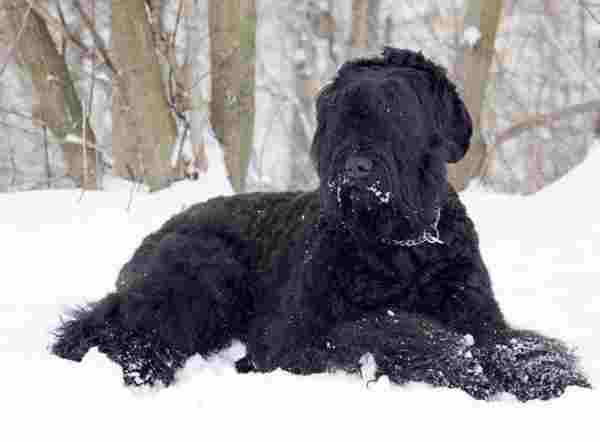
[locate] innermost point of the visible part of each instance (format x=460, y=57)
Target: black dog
x=382, y=259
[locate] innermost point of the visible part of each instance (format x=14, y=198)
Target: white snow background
x=60, y=249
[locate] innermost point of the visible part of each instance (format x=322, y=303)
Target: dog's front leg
x=290, y=328
x=405, y=347
x=459, y=295
x=523, y=363
x=408, y=347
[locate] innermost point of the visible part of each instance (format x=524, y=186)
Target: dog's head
x=386, y=127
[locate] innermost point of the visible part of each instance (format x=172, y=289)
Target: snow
x=471, y=36
x=469, y=340
x=61, y=248
x=368, y=367
x=384, y=197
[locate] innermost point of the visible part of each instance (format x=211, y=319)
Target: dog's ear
x=454, y=126
x=452, y=121
x=315, y=149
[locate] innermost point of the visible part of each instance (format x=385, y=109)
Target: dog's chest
x=372, y=281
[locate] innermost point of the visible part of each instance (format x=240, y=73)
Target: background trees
x=55, y=103
x=473, y=61
x=143, y=126
x=232, y=25
x=139, y=89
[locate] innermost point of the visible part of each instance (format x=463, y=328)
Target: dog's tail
x=84, y=328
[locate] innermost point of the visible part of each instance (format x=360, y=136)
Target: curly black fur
x=381, y=259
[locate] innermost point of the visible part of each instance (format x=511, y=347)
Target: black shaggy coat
x=381, y=260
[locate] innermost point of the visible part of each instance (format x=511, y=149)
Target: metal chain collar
x=430, y=235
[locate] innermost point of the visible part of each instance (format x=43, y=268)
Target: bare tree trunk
x=226, y=82
x=56, y=103
x=144, y=129
x=198, y=105
x=363, y=35
x=247, y=83
x=359, y=38
x=313, y=32
x=472, y=70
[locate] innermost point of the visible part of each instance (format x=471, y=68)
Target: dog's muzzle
x=364, y=200
x=362, y=196
x=358, y=167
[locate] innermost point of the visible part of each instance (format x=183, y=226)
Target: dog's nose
x=358, y=167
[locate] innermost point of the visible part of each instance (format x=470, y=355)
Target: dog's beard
x=372, y=212
x=367, y=210
x=363, y=209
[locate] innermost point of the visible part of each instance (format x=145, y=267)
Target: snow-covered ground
x=60, y=248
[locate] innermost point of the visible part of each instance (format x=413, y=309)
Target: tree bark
x=56, y=103
x=364, y=31
x=227, y=96
x=190, y=73
x=473, y=68
x=542, y=120
x=311, y=70
x=144, y=128
x=247, y=84
x=359, y=38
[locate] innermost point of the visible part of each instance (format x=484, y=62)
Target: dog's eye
x=362, y=148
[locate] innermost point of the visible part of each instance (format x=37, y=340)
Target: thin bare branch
x=589, y=11
x=63, y=22
x=47, y=158
x=17, y=113
x=177, y=21
x=56, y=24
x=542, y=120
x=97, y=39
x=86, y=109
x=16, y=41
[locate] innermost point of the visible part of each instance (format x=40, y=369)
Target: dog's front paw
x=461, y=368
x=144, y=359
x=452, y=361
x=533, y=367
